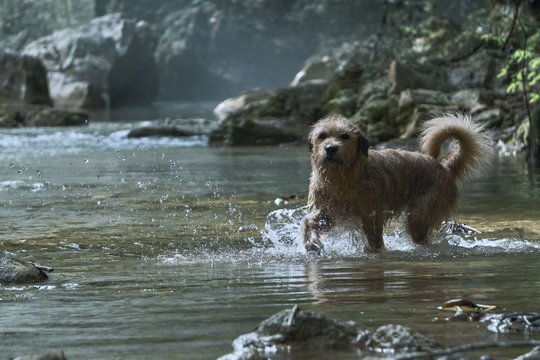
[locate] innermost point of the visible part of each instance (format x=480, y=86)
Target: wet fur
x=362, y=189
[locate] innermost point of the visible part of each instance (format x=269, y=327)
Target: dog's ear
x=363, y=144
x=310, y=146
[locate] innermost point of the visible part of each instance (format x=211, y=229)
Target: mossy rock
x=254, y=132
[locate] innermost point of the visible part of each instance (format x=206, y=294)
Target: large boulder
x=108, y=62
x=18, y=115
x=23, y=80
x=268, y=118
x=24, y=95
x=475, y=71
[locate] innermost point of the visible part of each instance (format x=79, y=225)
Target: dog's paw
x=314, y=248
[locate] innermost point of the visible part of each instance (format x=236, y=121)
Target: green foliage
x=522, y=69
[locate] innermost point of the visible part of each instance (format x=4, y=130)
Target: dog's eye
x=344, y=136
x=322, y=136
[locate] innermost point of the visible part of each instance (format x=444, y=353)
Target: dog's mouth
x=332, y=159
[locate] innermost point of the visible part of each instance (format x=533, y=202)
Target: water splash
x=281, y=240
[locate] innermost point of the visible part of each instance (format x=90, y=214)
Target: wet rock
x=151, y=131
x=411, y=98
x=172, y=128
x=335, y=65
x=397, y=338
x=279, y=116
x=295, y=328
x=410, y=75
x=245, y=132
x=452, y=227
x=15, y=271
x=108, y=62
x=24, y=80
x=242, y=101
x=494, y=117
x=51, y=355
x=36, y=115
x=315, y=69
x=473, y=100
x=475, y=71
x=513, y=322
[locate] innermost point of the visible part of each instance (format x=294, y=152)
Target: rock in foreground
x=15, y=271
x=297, y=329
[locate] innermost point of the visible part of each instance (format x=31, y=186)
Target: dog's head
x=335, y=141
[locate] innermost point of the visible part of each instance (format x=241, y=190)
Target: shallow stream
x=164, y=248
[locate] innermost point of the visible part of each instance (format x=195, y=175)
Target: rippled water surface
x=165, y=248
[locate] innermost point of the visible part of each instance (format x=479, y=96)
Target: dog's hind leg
x=312, y=225
x=418, y=231
x=421, y=221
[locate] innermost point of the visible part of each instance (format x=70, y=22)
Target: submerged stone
x=152, y=131
x=15, y=271
x=50, y=355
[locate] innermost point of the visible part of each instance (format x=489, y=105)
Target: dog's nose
x=330, y=149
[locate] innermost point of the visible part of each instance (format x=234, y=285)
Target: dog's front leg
x=373, y=228
x=312, y=224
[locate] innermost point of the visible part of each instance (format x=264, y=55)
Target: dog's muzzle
x=331, y=154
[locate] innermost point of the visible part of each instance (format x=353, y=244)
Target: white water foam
x=78, y=140
x=7, y=185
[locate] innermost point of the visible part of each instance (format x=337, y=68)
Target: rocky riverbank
x=136, y=54
x=389, y=96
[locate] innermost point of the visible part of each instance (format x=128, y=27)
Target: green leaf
x=534, y=63
x=533, y=78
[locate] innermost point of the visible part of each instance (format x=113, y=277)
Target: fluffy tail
x=473, y=148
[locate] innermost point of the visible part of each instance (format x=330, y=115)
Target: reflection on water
x=165, y=247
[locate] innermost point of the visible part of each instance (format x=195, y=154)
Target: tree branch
x=512, y=27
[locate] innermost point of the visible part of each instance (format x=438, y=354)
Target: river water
x=169, y=249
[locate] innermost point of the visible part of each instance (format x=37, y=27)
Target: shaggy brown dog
x=364, y=189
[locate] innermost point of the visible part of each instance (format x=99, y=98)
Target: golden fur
x=362, y=188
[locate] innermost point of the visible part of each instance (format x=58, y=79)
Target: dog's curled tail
x=473, y=150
